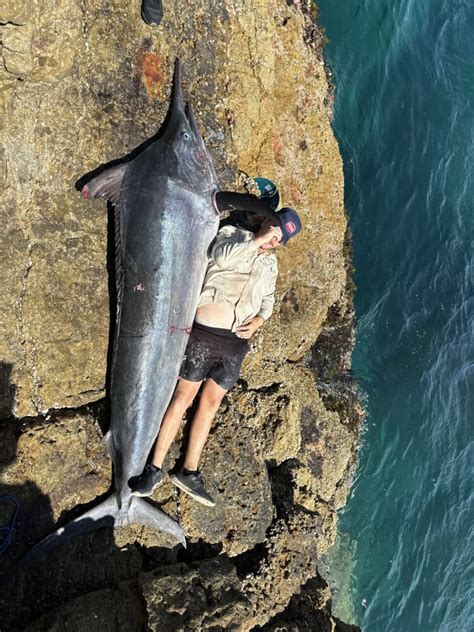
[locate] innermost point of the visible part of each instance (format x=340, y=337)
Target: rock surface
x=83, y=82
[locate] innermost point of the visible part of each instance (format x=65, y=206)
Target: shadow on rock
x=87, y=564
x=25, y=512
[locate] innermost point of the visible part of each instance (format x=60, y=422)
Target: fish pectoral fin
x=143, y=513
x=108, y=184
x=107, y=439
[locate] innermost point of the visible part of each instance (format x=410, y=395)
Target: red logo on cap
x=290, y=227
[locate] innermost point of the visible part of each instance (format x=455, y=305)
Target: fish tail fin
x=144, y=513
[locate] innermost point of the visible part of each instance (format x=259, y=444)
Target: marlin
x=167, y=212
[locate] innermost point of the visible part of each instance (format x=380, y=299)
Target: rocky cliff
x=83, y=82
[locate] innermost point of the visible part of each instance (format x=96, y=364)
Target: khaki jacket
x=238, y=277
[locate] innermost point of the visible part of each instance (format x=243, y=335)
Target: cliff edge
x=83, y=82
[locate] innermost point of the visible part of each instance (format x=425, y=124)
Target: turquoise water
x=404, y=117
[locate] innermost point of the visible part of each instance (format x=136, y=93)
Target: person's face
x=275, y=240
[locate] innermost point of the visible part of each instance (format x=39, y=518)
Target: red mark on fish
x=172, y=329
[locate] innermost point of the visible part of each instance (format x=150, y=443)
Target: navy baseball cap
x=290, y=223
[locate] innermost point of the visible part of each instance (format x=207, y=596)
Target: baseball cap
x=290, y=223
x=268, y=192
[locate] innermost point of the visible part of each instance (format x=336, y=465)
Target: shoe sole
x=152, y=18
x=200, y=499
x=145, y=494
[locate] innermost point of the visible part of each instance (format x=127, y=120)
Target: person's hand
x=249, y=327
x=268, y=236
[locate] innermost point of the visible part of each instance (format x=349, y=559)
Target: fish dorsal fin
x=108, y=184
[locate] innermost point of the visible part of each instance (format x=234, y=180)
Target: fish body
x=167, y=229
x=167, y=211
x=166, y=217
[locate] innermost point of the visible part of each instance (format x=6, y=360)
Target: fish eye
x=185, y=135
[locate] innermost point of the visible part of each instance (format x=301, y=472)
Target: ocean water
x=404, y=118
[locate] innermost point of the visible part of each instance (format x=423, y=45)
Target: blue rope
x=10, y=528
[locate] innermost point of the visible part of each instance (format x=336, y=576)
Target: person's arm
x=249, y=327
x=230, y=246
x=231, y=201
x=268, y=300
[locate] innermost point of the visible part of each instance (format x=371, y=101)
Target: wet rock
x=308, y=611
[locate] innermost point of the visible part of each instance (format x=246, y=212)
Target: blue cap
x=290, y=223
x=268, y=192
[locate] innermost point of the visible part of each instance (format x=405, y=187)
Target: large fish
x=166, y=213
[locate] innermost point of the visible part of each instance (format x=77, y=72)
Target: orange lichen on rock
x=152, y=75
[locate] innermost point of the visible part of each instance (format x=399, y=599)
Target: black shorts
x=215, y=353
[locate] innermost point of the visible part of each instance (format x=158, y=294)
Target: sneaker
x=149, y=480
x=152, y=11
x=192, y=484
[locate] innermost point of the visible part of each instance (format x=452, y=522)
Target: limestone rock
x=104, y=610
x=104, y=94
x=205, y=596
x=85, y=82
x=16, y=49
x=237, y=478
x=14, y=12
x=274, y=416
x=40, y=38
x=286, y=566
x=53, y=466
